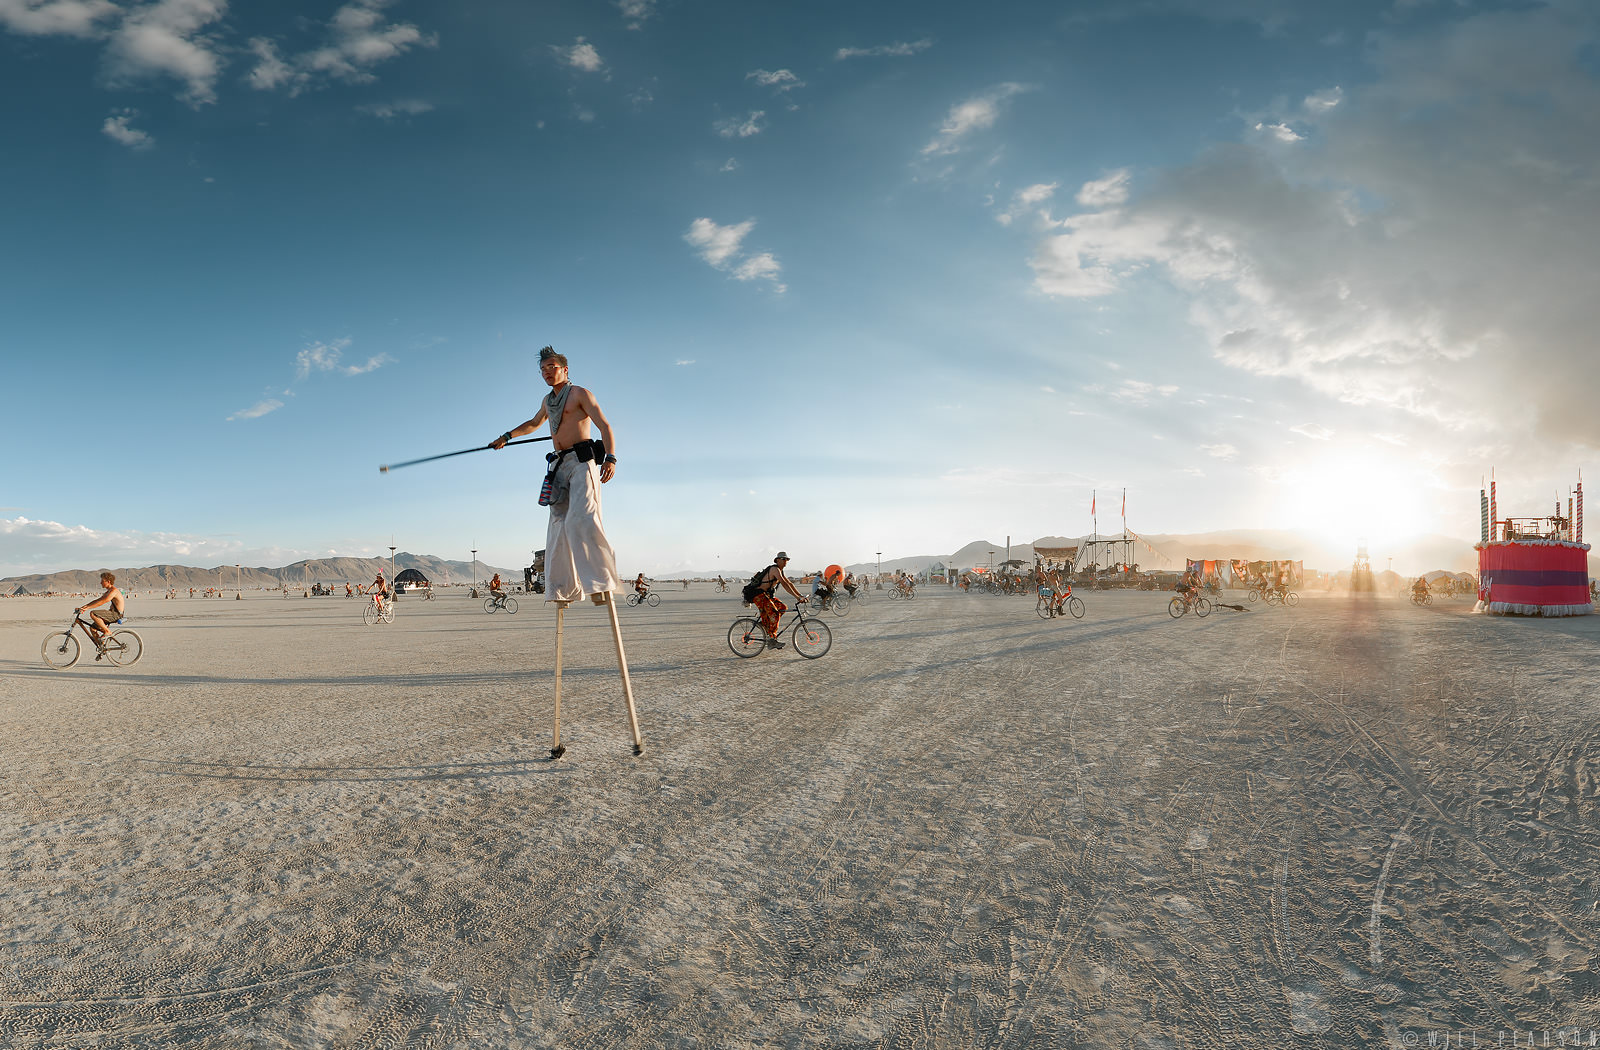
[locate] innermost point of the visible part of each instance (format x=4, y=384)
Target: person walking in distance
x=578, y=559
x=762, y=593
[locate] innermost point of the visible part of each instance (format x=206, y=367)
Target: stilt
x=627, y=684
x=556, y=751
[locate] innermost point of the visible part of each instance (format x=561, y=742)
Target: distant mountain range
x=299, y=574
x=1166, y=551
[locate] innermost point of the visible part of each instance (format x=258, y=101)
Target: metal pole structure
x=238, y=582
x=391, y=560
x=880, y=565
x=627, y=684
x=474, y=583
x=556, y=750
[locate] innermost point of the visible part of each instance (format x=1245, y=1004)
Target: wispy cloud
x=741, y=127
x=781, y=79
x=357, y=39
x=722, y=248
x=686, y=361
x=327, y=357
x=1281, y=132
x=975, y=114
x=1025, y=200
x=895, y=50
x=1313, y=431
x=581, y=56
x=257, y=410
x=118, y=129
x=636, y=12
x=82, y=18
x=406, y=107
x=1220, y=451
x=169, y=39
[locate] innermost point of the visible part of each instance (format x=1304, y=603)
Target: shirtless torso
x=578, y=408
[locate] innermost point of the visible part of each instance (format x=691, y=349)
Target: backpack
x=754, y=587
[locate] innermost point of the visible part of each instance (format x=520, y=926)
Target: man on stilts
x=578, y=559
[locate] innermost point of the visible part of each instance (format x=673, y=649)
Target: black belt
x=586, y=451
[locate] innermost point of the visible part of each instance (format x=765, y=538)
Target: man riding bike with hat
x=761, y=592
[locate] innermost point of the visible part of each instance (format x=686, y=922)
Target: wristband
x=609, y=458
x=506, y=436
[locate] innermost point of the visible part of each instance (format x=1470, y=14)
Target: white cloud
x=406, y=107
x=1281, y=132
x=257, y=410
x=782, y=79
x=1323, y=101
x=117, y=128
x=56, y=17
x=721, y=246
x=34, y=546
x=636, y=12
x=167, y=38
x=1220, y=451
x=686, y=361
x=356, y=40
x=1025, y=199
x=1106, y=192
x=1430, y=251
x=741, y=127
x=581, y=56
x=730, y=165
x=327, y=357
x=717, y=244
x=1138, y=392
x=975, y=114
x=895, y=50
x=1313, y=431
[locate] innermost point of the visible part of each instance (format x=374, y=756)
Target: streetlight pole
x=880, y=563
x=238, y=583
x=391, y=559
x=991, y=563
x=474, y=569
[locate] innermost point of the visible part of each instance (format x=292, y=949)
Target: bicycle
x=1050, y=604
x=650, y=598
x=1288, y=598
x=839, y=603
x=722, y=588
x=122, y=647
x=374, y=613
x=1185, y=602
x=427, y=594
x=1425, y=598
x=809, y=638
x=505, y=601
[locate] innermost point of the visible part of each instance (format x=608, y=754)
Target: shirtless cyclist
x=99, y=621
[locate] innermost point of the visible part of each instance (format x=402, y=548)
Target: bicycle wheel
x=1292, y=599
x=746, y=638
x=132, y=648
x=811, y=638
x=1202, y=607
x=488, y=605
x=387, y=616
x=652, y=600
x=61, y=649
x=1042, y=608
x=511, y=605
x=1254, y=594
x=633, y=599
x=1075, y=606
x=370, y=613
x=841, y=604
x=894, y=594
x=1177, y=608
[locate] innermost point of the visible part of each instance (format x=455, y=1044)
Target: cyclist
x=380, y=590
x=1419, y=590
x=762, y=593
x=850, y=583
x=1189, y=585
x=99, y=621
x=722, y=584
x=639, y=586
x=496, y=588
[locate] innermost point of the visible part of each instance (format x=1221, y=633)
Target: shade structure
x=411, y=576
x=1534, y=577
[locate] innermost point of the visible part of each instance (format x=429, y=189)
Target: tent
x=410, y=579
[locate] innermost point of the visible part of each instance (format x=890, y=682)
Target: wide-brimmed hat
x=780, y=556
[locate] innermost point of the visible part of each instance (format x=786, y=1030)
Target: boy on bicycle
x=639, y=586
x=99, y=621
x=762, y=593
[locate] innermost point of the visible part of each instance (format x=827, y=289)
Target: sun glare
x=1347, y=497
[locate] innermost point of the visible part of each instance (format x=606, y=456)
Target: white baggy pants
x=577, y=558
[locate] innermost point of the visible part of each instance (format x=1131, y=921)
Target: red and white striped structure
x=1535, y=566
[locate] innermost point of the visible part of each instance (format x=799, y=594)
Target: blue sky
x=846, y=277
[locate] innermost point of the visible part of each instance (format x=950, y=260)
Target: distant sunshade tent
x=412, y=576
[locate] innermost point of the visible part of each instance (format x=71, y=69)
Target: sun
x=1347, y=496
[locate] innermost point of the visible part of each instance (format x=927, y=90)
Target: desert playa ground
x=1355, y=823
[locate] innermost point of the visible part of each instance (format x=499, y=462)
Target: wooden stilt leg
x=627, y=683
x=556, y=750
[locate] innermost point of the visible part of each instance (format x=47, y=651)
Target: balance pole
x=627, y=684
x=557, y=750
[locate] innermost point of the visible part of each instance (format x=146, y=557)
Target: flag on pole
x=1124, y=506
x=1091, y=502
